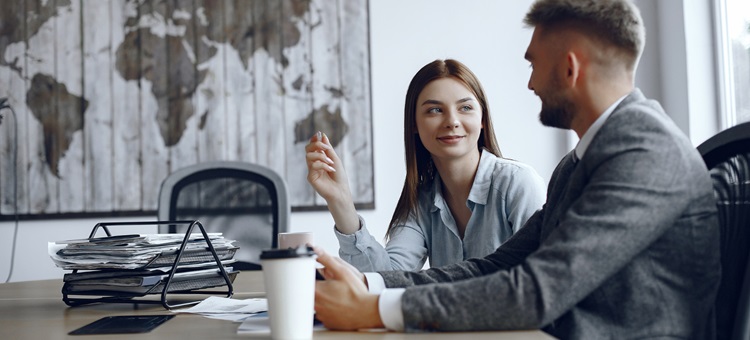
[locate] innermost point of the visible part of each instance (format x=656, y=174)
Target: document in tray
x=137, y=251
x=155, y=271
x=121, y=281
x=147, y=283
x=117, y=239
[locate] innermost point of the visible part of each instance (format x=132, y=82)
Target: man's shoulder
x=640, y=125
x=639, y=119
x=636, y=108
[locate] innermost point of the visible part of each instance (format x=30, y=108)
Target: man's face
x=546, y=80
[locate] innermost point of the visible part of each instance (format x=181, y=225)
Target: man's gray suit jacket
x=627, y=246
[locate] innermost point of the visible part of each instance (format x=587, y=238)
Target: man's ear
x=573, y=63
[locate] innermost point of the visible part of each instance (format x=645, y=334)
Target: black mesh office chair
x=727, y=155
x=246, y=202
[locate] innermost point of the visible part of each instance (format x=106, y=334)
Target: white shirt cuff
x=389, y=307
x=389, y=302
x=375, y=283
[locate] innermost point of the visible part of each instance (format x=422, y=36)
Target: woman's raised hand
x=325, y=171
x=327, y=175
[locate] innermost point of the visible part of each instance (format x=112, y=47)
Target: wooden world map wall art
x=111, y=96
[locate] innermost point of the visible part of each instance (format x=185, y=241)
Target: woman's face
x=449, y=119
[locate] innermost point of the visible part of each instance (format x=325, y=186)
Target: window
x=733, y=36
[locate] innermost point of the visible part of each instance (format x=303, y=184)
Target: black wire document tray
x=127, y=268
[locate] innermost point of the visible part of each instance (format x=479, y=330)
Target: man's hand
x=342, y=301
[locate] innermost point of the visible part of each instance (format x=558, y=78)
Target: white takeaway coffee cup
x=289, y=276
x=295, y=239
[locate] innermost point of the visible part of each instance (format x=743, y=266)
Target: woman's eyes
x=464, y=108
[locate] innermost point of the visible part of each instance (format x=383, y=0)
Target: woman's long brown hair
x=420, y=171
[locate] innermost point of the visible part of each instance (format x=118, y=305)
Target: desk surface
x=35, y=310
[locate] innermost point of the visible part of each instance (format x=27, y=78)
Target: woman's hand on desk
x=342, y=301
x=326, y=174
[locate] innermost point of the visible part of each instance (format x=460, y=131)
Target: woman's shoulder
x=505, y=173
x=508, y=166
x=501, y=174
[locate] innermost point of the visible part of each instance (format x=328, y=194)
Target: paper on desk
x=255, y=324
x=227, y=309
x=260, y=324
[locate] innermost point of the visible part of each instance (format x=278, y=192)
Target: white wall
x=486, y=35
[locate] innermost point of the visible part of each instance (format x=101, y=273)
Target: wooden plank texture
x=13, y=131
x=212, y=105
x=158, y=99
x=328, y=95
x=184, y=151
x=298, y=104
x=126, y=104
x=72, y=107
x=98, y=68
x=269, y=59
x=240, y=80
x=355, y=73
x=112, y=96
x=43, y=144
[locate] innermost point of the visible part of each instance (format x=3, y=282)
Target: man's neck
x=594, y=102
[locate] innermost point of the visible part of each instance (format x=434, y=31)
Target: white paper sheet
x=227, y=309
x=260, y=324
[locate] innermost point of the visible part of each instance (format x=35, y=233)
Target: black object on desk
x=76, y=298
x=122, y=324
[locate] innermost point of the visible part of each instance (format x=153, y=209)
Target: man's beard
x=557, y=114
x=557, y=111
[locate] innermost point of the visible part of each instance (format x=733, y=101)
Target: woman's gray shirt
x=504, y=195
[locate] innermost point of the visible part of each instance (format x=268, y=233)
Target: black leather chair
x=246, y=202
x=727, y=155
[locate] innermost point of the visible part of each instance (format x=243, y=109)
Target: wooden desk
x=35, y=310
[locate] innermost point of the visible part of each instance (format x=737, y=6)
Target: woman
x=460, y=199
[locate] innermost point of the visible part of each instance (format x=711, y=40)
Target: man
x=626, y=245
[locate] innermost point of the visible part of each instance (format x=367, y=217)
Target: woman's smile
x=452, y=139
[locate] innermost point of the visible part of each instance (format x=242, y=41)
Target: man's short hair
x=616, y=22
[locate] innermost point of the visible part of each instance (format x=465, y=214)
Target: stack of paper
x=137, y=251
x=135, y=265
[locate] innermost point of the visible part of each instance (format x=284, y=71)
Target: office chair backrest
x=246, y=202
x=727, y=155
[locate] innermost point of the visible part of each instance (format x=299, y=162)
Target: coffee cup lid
x=286, y=253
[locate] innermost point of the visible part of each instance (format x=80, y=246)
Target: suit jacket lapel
x=568, y=180
x=558, y=192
